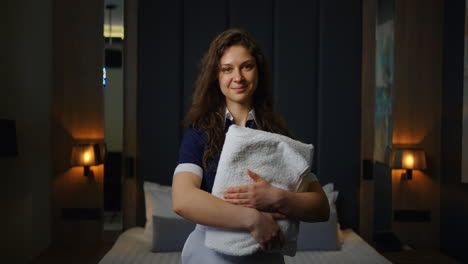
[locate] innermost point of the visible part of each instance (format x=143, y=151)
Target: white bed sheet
x=130, y=247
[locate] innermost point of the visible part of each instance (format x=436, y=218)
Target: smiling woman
x=233, y=88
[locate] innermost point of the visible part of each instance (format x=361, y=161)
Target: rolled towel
x=280, y=160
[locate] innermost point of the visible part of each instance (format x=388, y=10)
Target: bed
x=131, y=247
x=153, y=244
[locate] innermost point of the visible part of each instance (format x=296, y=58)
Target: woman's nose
x=238, y=76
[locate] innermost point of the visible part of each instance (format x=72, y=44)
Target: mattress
x=130, y=247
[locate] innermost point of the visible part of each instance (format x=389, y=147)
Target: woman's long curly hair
x=208, y=108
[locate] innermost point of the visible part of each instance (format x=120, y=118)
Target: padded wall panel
x=339, y=87
x=160, y=74
x=314, y=50
x=257, y=18
x=295, y=71
x=203, y=20
x=454, y=193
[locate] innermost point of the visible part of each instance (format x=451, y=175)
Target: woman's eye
x=248, y=66
x=226, y=70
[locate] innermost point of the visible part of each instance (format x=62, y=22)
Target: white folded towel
x=280, y=160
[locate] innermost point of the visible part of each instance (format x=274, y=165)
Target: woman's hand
x=266, y=231
x=260, y=195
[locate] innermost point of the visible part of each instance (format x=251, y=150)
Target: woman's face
x=238, y=75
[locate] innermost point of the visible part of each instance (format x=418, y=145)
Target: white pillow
x=319, y=235
x=328, y=188
x=332, y=196
x=330, y=192
x=158, y=202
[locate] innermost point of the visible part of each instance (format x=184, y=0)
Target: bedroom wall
x=417, y=115
x=454, y=194
x=77, y=113
x=132, y=196
x=366, y=217
x=314, y=48
x=25, y=96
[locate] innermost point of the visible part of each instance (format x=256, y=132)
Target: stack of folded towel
x=281, y=161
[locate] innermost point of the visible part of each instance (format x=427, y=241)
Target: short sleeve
x=191, y=152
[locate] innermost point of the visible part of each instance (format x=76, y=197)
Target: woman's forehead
x=236, y=55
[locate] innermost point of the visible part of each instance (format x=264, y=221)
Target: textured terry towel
x=281, y=161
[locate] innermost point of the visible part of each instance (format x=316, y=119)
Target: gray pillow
x=169, y=234
x=319, y=236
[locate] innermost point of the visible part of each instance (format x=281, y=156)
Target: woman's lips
x=240, y=89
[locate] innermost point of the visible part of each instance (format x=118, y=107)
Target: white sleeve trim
x=189, y=167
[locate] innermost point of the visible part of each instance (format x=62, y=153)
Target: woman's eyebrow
x=230, y=64
x=248, y=61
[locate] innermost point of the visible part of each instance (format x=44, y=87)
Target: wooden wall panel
x=366, y=216
x=417, y=114
x=26, y=96
x=132, y=195
x=77, y=109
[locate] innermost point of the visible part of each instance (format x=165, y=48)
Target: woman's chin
x=242, y=100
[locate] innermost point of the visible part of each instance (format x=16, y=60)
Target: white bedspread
x=130, y=247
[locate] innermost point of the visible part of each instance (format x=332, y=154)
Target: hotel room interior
x=375, y=85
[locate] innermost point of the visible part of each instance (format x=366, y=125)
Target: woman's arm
x=190, y=202
x=309, y=206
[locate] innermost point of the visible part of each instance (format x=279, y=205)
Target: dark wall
x=454, y=194
x=314, y=50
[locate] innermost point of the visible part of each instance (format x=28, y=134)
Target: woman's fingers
x=238, y=189
x=236, y=196
x=278, y=215
x=253, y=175
x=276, y=242
x=239, y=201
x=267, y=232
x=242, y=199
x=281, y=239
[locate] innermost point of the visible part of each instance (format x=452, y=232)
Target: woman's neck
x=240, y=113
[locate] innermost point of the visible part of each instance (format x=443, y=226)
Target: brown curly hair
x=207, y=111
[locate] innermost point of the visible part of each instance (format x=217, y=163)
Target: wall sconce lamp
x=87, y=155
x=409, y=160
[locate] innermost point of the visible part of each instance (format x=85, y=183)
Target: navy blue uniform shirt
x=191, y=154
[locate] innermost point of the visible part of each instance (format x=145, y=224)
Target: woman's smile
x=240, y=89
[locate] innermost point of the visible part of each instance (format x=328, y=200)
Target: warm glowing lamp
x=409, y=160
x=86, y=155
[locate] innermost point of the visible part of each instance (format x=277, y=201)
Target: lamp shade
x=409, y=159
x=86, y=155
